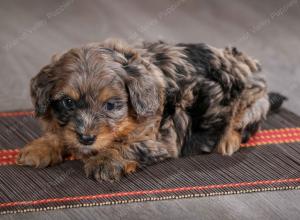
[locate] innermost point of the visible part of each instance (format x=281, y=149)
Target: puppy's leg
x=230, y=142
x=231, y=138
x=253, y=117
x=247, y=113
x=108, y=165
x=244, y=123
x=42, y=152
x=111, y=164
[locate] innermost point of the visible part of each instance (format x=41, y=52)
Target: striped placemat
x=269, y=161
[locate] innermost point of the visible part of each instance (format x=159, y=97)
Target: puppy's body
x=119, y=107
x=212, y=97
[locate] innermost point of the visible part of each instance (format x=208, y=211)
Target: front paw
x=38, y=156
x=106, y=168
x=230, y=143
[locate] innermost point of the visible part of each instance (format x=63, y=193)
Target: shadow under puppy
x=119, y=107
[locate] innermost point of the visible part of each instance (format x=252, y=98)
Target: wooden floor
x=33, y=30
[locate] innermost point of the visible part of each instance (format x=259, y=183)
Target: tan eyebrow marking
x=68, y=91
x=108, y=93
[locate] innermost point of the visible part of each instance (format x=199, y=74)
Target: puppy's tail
x=276, y=100
x=252, y=123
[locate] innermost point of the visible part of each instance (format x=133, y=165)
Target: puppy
x=119, y=107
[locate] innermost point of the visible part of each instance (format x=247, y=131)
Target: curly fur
x=167, y=101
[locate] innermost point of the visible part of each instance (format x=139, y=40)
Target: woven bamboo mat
x=269, y=161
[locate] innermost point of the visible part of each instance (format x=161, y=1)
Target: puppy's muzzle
x=86, y=139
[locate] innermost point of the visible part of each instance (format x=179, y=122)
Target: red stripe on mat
x=158, y=191
x=13, y=114
x=279, y=131
x=274, y=136
x=264, y=141
x=8, y=152
x=7, y=161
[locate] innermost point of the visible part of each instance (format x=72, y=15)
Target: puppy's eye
x=112, y=105
x=68, y=103
x=109, y=106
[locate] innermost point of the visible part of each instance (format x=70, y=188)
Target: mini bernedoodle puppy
x=118, y=107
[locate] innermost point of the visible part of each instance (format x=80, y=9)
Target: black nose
x=86, y=139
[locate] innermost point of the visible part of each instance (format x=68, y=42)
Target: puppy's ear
x=144, y=87
x=144, y=84
x=40, y=89
x=143, y=92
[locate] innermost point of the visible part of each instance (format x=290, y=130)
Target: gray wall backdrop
x=32, y=31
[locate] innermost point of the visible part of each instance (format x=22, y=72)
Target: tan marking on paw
x=38, y=156
x=42, y=152
x=229, y=143
x=108, y=166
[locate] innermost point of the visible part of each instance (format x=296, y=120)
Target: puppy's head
x=94, y=95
